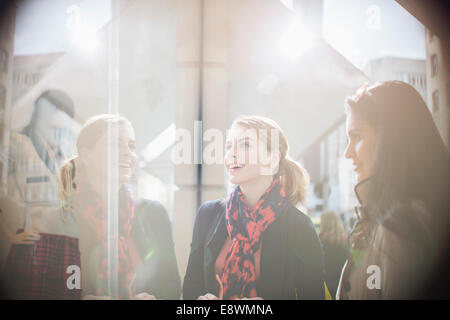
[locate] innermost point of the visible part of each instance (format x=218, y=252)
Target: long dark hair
x=411, y=159
x=409, y=189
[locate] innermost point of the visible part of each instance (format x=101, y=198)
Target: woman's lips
x=233, y=169
x=126, y=165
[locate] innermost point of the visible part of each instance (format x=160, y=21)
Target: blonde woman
x=256, y=244
x=146, y=259
x=334, y=241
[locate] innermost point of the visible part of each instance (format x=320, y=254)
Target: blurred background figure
x=334, y=242
x=98, y=198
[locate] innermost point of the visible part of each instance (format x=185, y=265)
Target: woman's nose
x=348, y=152
x=230, y=154
x=128, y=153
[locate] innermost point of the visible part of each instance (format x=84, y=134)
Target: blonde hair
x=332, y=228
x=294, y=178
x=93, y=129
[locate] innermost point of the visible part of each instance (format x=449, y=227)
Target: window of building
x=3, y=60
x=423, y=82
x=430, y=36
x=2, y=98
x=417, y=80
x=35, y=78
x=434, y=65
x=435, y=101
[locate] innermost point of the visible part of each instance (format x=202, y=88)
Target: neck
x=100, y=187
x=362, y=191
x=254, y=189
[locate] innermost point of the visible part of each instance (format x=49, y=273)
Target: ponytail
x=294, y=179
x=66, y=186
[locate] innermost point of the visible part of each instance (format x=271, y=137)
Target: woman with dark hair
x=399, y=245
x=256, y=244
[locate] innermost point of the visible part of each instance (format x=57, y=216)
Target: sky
x=44, y=26
x=362, y=30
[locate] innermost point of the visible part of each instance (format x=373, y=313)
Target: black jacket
x=291, y=256
x=152, y=233
x=335, y=256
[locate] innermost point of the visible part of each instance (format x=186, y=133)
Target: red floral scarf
x=94, y=215
x=245, y=229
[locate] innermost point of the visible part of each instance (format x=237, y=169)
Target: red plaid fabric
x=39, y=271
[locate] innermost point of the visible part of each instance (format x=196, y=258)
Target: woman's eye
x=245, y=145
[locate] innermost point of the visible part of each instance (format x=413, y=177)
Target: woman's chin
x=123, y=181
x=361, y=177
x=235, y=180
x=124, y=178
x=239, y=180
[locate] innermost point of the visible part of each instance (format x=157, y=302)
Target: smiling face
x=361, y=146
x=96, y=159
x=127, y=152
x=243, y=157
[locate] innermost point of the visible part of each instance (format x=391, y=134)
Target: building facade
x=438, y=80
x=412, y=71
x=7, y=28
x=28, y=71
